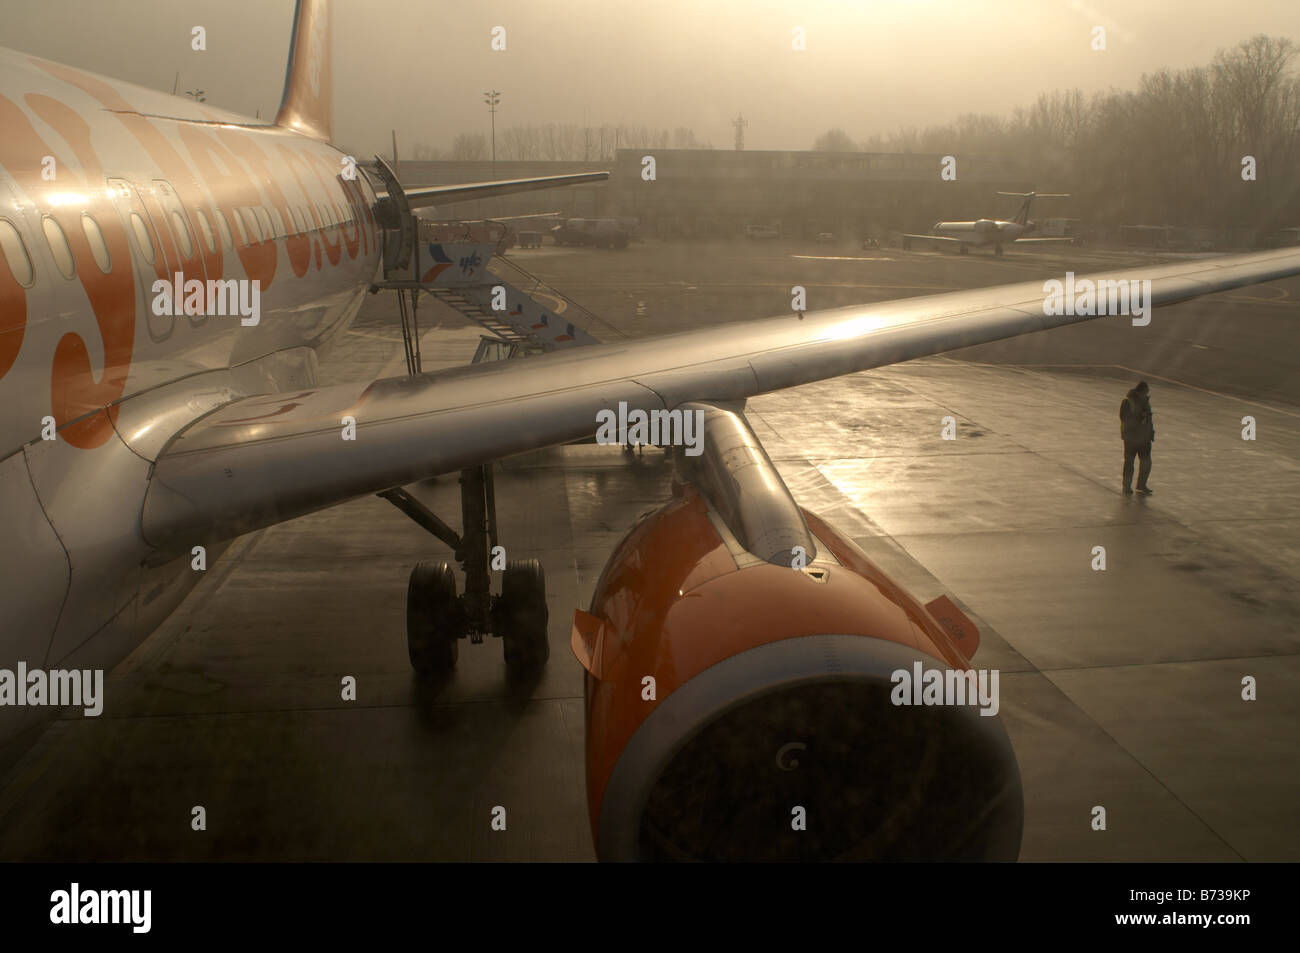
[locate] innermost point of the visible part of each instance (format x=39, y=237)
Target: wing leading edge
x=934, y=238
x=265, y=459
x=443, y=194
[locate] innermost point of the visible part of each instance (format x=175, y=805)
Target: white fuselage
x=110, y=188
x=985, y=231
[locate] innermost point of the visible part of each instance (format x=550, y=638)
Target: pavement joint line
x=1133, y=372
x=1188, y=661
x=506, y=701
x=1149, y=772
x=1212, y=393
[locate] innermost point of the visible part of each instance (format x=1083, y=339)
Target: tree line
x=1214, y=145
x=560, y=142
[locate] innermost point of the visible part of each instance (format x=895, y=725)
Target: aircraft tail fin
x=1022, y=216
x=308, y=103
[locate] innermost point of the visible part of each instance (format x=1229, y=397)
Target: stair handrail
x=608, y=330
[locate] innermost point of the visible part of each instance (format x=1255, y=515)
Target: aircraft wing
x=934, y=238
x=261, y=460
x=443, y=194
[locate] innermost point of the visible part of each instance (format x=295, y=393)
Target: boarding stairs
x=468, y=307
x=519, y=312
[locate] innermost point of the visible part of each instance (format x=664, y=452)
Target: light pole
x=740, y=122
x=493, y=99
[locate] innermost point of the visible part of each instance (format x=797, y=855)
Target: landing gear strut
x=437, y=618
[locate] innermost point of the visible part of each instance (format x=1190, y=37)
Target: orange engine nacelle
x=740, y=709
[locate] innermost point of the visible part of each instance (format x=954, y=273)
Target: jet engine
x=742, y=689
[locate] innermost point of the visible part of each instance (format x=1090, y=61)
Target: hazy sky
x=421, y=66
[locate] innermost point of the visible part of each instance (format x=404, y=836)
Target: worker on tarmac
x=1138, y=432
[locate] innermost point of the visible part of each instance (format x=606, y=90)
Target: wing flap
x=265, y=459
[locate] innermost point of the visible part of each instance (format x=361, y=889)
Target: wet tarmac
x=1120, y=688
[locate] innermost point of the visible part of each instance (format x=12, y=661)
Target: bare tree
x=1169, y=152
x=834, y=140
x=469, y=147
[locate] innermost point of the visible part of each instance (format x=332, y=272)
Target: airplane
x=144, y=430
x=987, y=231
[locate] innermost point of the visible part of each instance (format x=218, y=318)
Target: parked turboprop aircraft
x=144, y=428
x=987, y=231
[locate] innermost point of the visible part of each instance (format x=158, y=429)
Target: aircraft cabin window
x=15, y=252
x=239, y=227
x=222, y=227
x=58, y=243
x=142, y=239
x=264, y=219
x=182, y=234
x=254, y=227
x=98, y=247
x=205, y=229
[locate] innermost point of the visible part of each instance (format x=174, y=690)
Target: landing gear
x=961, y=250
x=520, y=616
x=437, y=618
x=907, y=244
x=997, y=251
x=433, y=623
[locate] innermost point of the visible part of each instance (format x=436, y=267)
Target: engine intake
x=740, y=706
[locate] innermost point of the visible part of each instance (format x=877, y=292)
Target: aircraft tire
x=431, y=619
x=521, y=615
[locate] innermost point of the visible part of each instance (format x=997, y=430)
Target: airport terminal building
x=707, y=193
x=697, y=193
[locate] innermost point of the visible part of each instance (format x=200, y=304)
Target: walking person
x=1138, y=432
